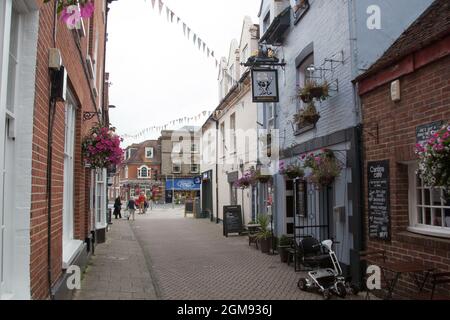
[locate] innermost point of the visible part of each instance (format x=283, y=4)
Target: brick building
x=180, y=163
x=140, y=172
x=53, y=205
x=405, y=95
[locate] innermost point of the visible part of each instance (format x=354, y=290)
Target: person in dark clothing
x=131, y=208
x=118, y=208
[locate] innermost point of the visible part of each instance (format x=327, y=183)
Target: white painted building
x=18, y=47
x=229, y=140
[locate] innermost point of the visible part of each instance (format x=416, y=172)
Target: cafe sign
x=424, y=132
x=265, y=85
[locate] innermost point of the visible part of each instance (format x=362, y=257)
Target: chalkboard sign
x=232, y=220
x=188, y=207
x=378, y=198
x=424, y=132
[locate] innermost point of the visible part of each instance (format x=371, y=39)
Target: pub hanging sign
x=265, y=85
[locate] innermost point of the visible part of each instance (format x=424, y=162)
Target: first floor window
x=149, y=153
x=194, y=168
x=143, y=172
x=176, y=167
x=429, y=208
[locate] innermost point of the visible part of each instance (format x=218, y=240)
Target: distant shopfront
x=181, y=189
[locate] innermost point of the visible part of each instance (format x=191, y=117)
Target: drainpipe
x=51, y=121
x=217, y=171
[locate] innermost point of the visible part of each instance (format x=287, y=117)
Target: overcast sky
x=157, y=74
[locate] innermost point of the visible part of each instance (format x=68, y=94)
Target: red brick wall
x=80, y=85
x=425, y=98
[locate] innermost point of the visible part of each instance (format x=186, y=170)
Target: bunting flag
x=199, y=43
x=184, y=120
x=153, y=3
x=184, y=29
x=171, y=16
x=168, y=14
x=195, y=38
x=161, y=5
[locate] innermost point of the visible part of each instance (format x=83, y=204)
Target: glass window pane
x=436, y=217
x=420, y=215
x=419, y=196
x=436, y=197
x=427, y=216
x=427, y=197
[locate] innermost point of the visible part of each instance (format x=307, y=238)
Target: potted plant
x=262, y=178
x=245, y=181
x=292, y=171
x=434, y=159
x=101, y=148
x=325, y=167
x=284, y=243
x=264, y=235
x=314, y=90
x=307, y=116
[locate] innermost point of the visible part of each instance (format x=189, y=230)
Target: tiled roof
x=139, y=154
x=431, y=26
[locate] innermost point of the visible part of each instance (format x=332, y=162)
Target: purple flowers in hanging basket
x=247, y=180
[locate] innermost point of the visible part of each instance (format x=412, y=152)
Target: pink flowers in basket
x=434, y=159
x=101, y=148
x=72, y=11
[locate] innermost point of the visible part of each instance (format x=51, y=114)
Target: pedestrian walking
x=131, y=207
x=141, y=202
x=118, y=208
x=145, y=206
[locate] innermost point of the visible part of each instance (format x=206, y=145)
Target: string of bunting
x=179, y=121
x=187, y=30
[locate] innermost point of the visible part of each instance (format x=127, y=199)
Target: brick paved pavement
x=118, y=271
x=163, y=255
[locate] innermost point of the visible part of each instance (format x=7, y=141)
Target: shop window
x=429, y=208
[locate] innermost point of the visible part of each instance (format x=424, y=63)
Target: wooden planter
x=265, y=245
x=283, y=251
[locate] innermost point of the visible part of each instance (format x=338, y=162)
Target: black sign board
x=424, y=132
x=265, y=85
x=378, y=198
x=301, y=197
x=232, y=220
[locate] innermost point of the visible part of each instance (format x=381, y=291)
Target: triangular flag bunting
x=168, y=14
x=161, y=5
x=204, y=46
x=195, y=38
x=153, y=3
x=189, y=33
x=199, y=43
x=184, y=28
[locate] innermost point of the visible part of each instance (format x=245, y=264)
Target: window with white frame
x=100, y=198
x=233, y=133
x=195, y=168
x=70, y=245
x=143, y=172
x=149, y=153
x=304, y=75
x=429, y=208
x=194, y=147
x=176, y=147
x=266, y=22
x=126, y=172
x=176, y=167
x=222, y=134
x=270, y=116
x=244, y=55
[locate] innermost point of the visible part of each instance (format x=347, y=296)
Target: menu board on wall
x=232, y=220
x=378, y=200
x=424, y=132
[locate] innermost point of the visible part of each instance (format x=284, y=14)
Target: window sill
x=420, y=239
x=70, y=251
x=430, y=232
x=300, y=12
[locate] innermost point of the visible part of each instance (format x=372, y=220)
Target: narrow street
x=184, y=258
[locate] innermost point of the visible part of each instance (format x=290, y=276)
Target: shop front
x=179, y=190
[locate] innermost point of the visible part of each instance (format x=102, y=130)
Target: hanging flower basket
x=307, y=116
x=261, y=177
x=101, y=148
x=247, y=180
x=434, y=159
x=72, y=11
x=325, y=167
x=291, y=171
x=313, y=90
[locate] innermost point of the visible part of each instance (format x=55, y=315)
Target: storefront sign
x=424, y=132
x=183, y=184
x=378, y=200
x=265, y=85
x=232, y=220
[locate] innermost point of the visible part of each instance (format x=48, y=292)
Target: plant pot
x=283, y=251
x=310, y=119
x=263, y=179
x=316, y=92
x=306, y=98
x=265, y=245
x=292, y=176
